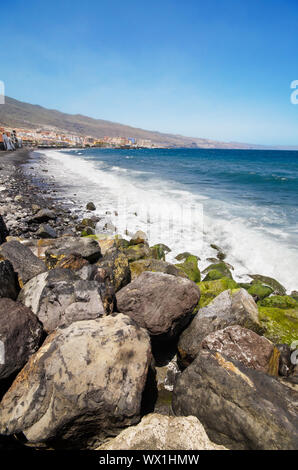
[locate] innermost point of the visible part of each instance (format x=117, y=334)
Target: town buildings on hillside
x=51, y=137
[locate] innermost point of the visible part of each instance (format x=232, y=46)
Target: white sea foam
x=183, y=220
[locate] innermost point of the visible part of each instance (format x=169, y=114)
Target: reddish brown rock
x=245, y=346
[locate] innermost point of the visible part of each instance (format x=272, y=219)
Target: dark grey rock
x=20, y=336
x=9, y=286
x=159, y=302
x=240, y=408
x=24, y=262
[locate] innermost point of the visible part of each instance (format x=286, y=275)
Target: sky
x=220, y=69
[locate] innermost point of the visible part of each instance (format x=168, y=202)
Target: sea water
x=244, y=201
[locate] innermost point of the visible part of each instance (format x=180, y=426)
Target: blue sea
x=244, y=201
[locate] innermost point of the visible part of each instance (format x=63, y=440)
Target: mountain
x=17, y=114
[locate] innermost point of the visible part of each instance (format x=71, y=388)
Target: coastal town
x=11, y=139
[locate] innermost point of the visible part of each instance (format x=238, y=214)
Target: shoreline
x=112, y=311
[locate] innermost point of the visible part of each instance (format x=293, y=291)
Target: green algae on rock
x=211, y=289
x=269, y=281
x=159, y=251
x=280, y=324
x=190, y=268
x=217, y=271
x=153, y=265
x=259, y=291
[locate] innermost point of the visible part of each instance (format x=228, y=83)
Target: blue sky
x=220, y=69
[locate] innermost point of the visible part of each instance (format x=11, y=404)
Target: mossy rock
x=279, y=301
x=211, y=289
x=280, y=325
x=183, y=256
x=153, y=265
x=159, y=251
x=259, y=291
x=88, y=223
x=213, y=275
x=190, y=268
x=278, y=289
x=217, y=271
x=136, y=252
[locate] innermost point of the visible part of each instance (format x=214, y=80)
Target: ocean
x=244, y=201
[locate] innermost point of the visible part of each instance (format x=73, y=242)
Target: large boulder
x=245, y=346
x=24, y=262
x=85, y=383
x=153, y=265
x=239, y=407
x=20, y=336
x=3, y=231
x=59, y=298
x=88, y=248
x=229, y=308
x=159, y=432
x=9, y=286
x=159, y=302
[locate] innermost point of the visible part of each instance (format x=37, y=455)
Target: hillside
x=24, y=115
x=17, y=114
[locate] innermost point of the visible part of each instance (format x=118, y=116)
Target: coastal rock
x=153, y=265
x=159, y=302
x=183, y=256
x=59, y=298
x=227, y=309
x=217, y=271
x=159, y=432
x=159, y=251
x=74, y=262
x=138, y=237
x=46, y=231
x=135, y=252
x=259, y=291
x=190, y=268
x=9, y=286
x=88, y=248
x=85, y=383
x=43, y=215
x=245, y=346
x=90, y=206
x=116, y=267
x=20, y=336
x=3, y=231
x=278, y=289
x=239, y=407
x=279, y=319
x=211, y=289
x=24, y=262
